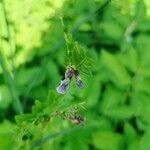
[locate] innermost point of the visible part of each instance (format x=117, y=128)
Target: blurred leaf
x=130, y=59
x=25, y=76
x=106, y=30
x=144, y=143
x=90, y=96
x=144, y=71
x=140, y=13
x=144, y=26
x=7, y=136
x=117, y=73
x=130, y=134
x=85, y=27
x=53, y=74
x=142, y=85
x=112, y=97
x=39, y=92
x=121, y=113
x=72, y=144
x=142, y=42
x=107, y=140
x=5, y=97
x=134, y=146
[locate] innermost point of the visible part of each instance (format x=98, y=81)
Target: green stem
x=10, y=39
x=9, y=79
x=66, y=41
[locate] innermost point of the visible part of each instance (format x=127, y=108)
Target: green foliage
x=116, y=71
x=108, y=39
x=44, y=114
x=76, y=56
x=7, y=135
x=107, y=140
x=5, y=97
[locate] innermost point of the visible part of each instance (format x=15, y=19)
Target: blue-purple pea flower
x=79, y=82
x=64, y=85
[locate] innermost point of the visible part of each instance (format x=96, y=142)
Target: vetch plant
x=76, y=61
x=44, y=113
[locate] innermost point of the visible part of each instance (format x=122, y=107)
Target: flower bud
x=69, y=73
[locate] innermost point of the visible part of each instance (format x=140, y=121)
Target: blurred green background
x=117, y=36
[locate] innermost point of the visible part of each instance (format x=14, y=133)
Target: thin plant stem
x=10, y=39
x=9, y=79
x=66, y=42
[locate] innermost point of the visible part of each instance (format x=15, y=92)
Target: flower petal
x=63, y=87
x=79, y=82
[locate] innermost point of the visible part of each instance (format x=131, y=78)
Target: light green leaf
x=5, y=97
x=91, y=96
x=130, y=59
x=121, y=112
x=111, y=98
x=140, y=13
x=130, y=133
x=117, y=72
x=107, y=140
x=142, y=85
x=144, y=143
x=7, y=136
x=115, y=34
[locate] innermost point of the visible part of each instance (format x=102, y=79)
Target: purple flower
x=79, y=82
x=64, y=86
